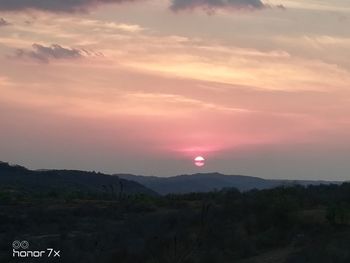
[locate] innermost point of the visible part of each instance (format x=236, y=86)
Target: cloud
x=68, y=6
x=212, y=5
x=3, y=22
x=46, y=53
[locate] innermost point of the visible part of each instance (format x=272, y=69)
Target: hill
x=63, y=181
x=206, y=182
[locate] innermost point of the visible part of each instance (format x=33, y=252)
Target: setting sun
x=199, y=161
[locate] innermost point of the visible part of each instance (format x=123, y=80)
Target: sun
x=199, y=161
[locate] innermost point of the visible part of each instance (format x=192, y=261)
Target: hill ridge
x=15, y=176
x=206, y=182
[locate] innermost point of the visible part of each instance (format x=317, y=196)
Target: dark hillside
x=66, y=180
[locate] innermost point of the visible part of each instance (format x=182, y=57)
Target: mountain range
x=18, y=177
x=206, y=182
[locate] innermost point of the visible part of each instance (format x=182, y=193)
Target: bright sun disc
x=199, y=161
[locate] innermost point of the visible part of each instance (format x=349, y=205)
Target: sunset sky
x=145, y=86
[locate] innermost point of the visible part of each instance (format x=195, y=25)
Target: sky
x=259, y=88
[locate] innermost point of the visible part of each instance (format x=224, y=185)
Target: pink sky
x=145, y=86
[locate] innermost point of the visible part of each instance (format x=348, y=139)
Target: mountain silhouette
x=18, y=177
x=206, y=182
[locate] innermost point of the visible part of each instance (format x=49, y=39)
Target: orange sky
x=145, y=86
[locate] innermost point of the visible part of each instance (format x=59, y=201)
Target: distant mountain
x=19, y=177
x=206, y=182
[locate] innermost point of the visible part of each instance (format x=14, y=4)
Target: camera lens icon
x=20, y=244
x=24, y=244
x=16, y=244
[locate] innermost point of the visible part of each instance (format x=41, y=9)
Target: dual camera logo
x=20, y=244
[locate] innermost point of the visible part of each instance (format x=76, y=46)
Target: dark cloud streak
x=3, y=22
x=211, y=6
x=46, y=53
x=67, y=6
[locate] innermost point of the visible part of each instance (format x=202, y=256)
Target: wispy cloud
x=106, y=26
x=167, y=100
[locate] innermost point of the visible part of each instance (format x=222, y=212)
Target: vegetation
x=293, y=224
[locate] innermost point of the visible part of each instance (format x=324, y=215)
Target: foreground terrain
x=287, y=224
x=294, y=224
